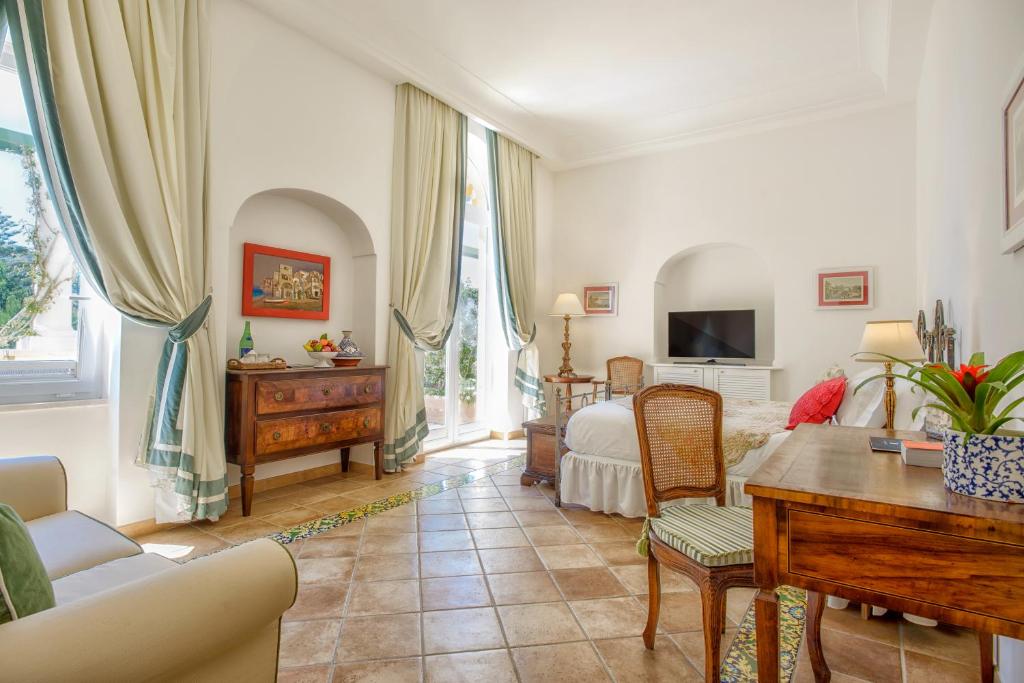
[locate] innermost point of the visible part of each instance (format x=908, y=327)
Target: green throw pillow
x=24, y=586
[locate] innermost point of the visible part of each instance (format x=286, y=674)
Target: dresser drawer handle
x=325, y=391
x=325, y=427
x=368, y=389
x=366, y=423
x=277, y=436
x=279, y=396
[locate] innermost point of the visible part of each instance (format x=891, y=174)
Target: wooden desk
x=836, y=518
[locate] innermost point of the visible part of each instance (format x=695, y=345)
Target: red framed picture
x=852, y=287
x=281, y=283
x=601, y=299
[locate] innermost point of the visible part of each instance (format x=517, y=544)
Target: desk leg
x=812, y=627
x=378, y=460
x=985, y=647
x=344, y=459
x=766, y=611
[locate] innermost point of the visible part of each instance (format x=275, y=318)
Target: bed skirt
x=617, y=486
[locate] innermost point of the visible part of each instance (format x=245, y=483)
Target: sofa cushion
x=109, y=575
x=24, y=587
x=69, y=542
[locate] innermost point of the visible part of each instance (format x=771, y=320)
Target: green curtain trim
x=407, y=445
x=513, y=336
x=528, y=384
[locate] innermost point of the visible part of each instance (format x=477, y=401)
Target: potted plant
x=981, y=457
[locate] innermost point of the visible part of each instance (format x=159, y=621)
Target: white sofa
x=123, y=614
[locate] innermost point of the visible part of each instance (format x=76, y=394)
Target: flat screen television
x=711, y=334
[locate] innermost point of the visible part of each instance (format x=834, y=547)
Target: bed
x=601, y=470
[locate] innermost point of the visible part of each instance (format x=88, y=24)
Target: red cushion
x=819, y=403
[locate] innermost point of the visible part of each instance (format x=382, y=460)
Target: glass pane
x=434, y=392
x=38, y=315
x=469, y=327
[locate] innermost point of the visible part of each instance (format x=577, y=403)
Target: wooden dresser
x=278, y=414
x=540, y=451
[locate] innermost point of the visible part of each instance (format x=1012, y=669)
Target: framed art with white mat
x=1013, y=146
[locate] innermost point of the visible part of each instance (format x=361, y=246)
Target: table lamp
x=567, y=305
x=896, y=338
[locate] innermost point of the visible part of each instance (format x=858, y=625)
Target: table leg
x=344, y=459
x=812, y=627
x=985, y=648
x=378, y=460
x=766, y=611
x=248, y=479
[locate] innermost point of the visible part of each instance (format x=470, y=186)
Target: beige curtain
x=427, y=212
x=515, y=262
x=131, y=84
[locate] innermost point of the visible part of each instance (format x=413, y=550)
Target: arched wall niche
x=304, y=220
x=716, y=276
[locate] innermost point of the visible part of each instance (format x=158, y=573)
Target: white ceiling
x=583, y=81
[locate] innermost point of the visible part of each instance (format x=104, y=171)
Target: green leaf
x=958, y=422
x=991, y=429
x=977, y=358
x=1008, y=368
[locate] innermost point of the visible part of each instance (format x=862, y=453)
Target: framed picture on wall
x=601, y=299
x=851, y=287
x=1013, y=142
x=281, y=283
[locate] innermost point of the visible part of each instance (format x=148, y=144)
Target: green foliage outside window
x=467, y=315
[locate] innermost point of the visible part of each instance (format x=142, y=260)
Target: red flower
x=970, y=376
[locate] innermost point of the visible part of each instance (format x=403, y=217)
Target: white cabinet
x=731, y=381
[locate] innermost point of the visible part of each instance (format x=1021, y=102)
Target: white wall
x=838, y=192
x=706, y=279
x=975, y=54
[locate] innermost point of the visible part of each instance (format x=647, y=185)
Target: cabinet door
x=736, y=383
x=680, y=375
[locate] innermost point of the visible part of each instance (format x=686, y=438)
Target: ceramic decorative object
x=936, y=423
x=989, y=466
x=347, y=347
x=246, y=344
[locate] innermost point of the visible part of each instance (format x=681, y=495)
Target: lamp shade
x=896, y=338
x=567, y=304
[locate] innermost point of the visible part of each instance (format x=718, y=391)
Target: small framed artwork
x=281, y=283
x=601, y=299
x=1013, y=138
x=852, y=287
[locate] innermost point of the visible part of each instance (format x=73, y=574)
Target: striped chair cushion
x=714, y=536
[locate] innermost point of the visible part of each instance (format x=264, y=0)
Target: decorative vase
x=989, y=466
x=347, y=347
x=245, y=344
x=936, y=423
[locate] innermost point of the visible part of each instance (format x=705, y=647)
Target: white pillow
x=867, y=409
x=864, y=408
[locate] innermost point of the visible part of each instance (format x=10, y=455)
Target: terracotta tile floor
x=492, y=582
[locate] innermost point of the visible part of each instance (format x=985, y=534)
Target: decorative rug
x=740, y=664
x=318, y=526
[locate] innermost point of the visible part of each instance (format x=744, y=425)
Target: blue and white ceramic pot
x=989, y=466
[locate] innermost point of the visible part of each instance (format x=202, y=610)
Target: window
x=452, y=379
x=42, y=317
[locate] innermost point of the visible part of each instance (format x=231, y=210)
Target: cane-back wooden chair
x=625, y=374
x=680, y=433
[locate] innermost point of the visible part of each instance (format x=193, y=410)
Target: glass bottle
x=245, y=344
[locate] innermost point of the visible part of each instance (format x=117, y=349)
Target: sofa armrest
x=35, y=486
x=160, y=627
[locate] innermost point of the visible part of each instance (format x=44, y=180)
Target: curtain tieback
x=192, y=322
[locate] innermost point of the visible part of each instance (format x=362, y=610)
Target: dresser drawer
x=984, y=577
x=749, y=384
x=291, y=395
x=692, y=376
x=317, y=429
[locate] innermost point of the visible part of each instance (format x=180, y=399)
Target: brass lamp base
x=566, y=369
x=890, y=397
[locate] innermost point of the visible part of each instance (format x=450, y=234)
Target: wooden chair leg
x=812, y=627
x=985, y=648
x=712, y=599
x=654, y=599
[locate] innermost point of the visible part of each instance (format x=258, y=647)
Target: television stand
x=731, y=381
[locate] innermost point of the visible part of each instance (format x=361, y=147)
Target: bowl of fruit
x=321, y=350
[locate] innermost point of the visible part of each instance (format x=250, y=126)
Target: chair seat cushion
x=69, y=542
x=109, y=575
x=711, y=535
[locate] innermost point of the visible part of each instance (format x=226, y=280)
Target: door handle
x=279, y=396
x=368, y=389
x=277, y=436
x=366, y=423
x=325, y=391
x=325, y=427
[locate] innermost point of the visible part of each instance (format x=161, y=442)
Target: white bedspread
x=602, y=469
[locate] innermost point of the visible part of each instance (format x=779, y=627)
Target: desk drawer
x=318, y=429
x=291, y=395
x=984, y=577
